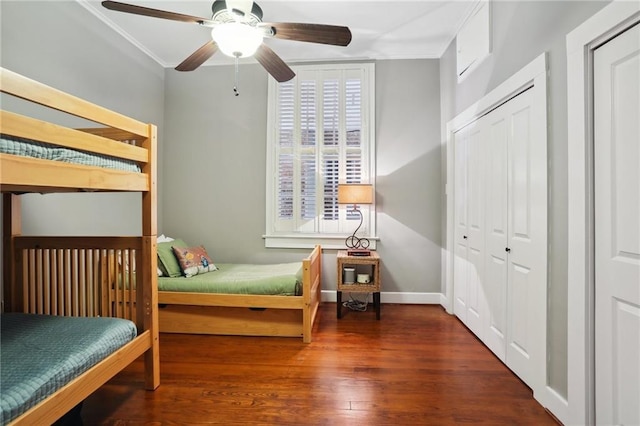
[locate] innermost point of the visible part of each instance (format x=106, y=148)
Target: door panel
x=526, y=235
x=496, y=240
x=519, y=337
x=476, y=230
x=521, y=185
x=461, y=232
x=617, y=228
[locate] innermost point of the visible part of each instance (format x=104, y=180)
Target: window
x=320, y=133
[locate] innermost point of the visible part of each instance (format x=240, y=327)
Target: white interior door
x=617, y=229
x=469, y=300
x=496, y=240
x=461, y=232
x=476, y=230
x=527, y=231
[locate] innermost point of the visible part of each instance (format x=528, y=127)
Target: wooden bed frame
x=70, y=275
x=246, y=314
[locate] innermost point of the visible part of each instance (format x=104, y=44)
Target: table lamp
x=355, y=194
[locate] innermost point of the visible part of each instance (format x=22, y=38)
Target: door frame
x=532, y=76
x=581, y=43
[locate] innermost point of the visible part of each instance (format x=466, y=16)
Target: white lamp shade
x=355, y=193
x=237, y=40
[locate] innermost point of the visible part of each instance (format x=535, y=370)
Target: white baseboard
x=394, y=297
x=556, y=404
x=444, y=301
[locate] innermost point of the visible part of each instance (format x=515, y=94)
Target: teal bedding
x=42, y=353
x=23, y=147
x=284, y=279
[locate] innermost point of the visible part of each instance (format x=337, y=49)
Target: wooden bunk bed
x=247, y=314
x=71, y=276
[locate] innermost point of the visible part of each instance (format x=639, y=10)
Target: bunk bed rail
x=72, y=276
x=124, y=143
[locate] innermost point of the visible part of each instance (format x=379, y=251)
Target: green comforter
x=283, y=279
x=42, y=353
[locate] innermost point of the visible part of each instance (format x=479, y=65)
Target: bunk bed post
x=312, y=268
x=11, y=227
x=147, y=300
x=307, y=322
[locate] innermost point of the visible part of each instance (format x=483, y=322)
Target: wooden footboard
x=246, y=314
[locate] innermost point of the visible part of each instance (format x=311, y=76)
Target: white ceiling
x=390, y=29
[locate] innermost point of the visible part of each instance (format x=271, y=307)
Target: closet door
x=461, y=227
x=496, y=270
x=476, y=298
x=617, y=229
x=469, y=302
x=527, y=235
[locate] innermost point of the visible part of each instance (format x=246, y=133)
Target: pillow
x=193, y=260
x=168, y=260
x=162, y=239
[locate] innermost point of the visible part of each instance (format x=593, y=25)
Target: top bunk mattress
x=42, y=353
x=26, y=148
x=282, y=279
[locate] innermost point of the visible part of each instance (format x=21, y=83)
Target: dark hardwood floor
x=416, y=366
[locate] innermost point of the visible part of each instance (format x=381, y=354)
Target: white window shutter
x=319, y=138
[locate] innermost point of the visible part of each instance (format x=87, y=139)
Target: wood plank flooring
x=416, y=366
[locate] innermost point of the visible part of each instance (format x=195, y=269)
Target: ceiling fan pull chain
x=235, y=84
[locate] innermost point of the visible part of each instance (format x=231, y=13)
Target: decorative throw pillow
x=193, y=260
x=168, y=260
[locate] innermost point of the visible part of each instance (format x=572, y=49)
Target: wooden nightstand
x=362, y=265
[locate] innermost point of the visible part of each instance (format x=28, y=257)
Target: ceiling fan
x=237, y=30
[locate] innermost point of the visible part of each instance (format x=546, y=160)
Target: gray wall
x=216, y=157
x=521, y=32
x=61, y=44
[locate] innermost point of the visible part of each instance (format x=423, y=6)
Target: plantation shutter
x=320, y=137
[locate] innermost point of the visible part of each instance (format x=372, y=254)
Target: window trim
x=308, y=240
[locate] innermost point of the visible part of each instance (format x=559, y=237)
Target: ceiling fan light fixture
x=237, y=40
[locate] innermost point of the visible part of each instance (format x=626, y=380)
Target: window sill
x=328, y=242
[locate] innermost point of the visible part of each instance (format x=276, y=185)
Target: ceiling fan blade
x=154, y=13
x=273, y=64
x=198, y=57
x=312, y=33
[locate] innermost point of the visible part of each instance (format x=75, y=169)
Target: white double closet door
x=500, y=232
